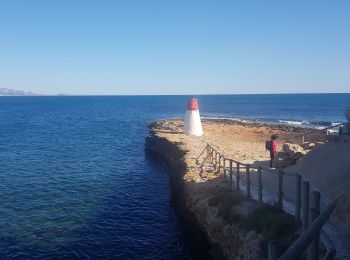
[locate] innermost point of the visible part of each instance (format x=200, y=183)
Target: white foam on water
x=292, y=122
x=298, y=123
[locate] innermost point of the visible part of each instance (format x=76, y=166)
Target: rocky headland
x=15, y=92
x=228, y=219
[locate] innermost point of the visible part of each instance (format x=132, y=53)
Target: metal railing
x=305, y=212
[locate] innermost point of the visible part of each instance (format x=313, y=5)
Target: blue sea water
x=76, y=182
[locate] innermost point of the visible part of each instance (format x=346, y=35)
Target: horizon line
x=208, y=94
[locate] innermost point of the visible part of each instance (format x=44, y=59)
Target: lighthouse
x=193, y=125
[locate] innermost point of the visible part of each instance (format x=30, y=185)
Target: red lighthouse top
x=192, y=104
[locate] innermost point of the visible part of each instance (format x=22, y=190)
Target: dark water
x=75, y=181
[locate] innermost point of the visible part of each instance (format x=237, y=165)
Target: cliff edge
x=238, y=226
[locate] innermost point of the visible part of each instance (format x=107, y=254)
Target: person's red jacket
x=273, y=147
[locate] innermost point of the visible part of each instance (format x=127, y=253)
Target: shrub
x=224, y=201
x=272, y=222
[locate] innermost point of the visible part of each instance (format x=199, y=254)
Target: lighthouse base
x=193, y=125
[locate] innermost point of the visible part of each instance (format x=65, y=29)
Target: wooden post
x=209, y=151
x=280, y=189
x=273, y=250
x=218, y=164
x=298, y=198
x=224, y=166
x=231, y=171
x=314, y=212
x=305, y=204
x=247, y=169
x=237, y=176
x=218, y=167
x=260, y=187
x=213, y=159
x=303, y=139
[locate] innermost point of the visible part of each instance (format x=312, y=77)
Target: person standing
x=272, y=147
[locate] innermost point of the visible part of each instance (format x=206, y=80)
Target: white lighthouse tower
x=193, y=125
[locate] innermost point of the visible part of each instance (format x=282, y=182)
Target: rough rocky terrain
x=201, y=196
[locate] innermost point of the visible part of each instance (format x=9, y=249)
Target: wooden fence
x=306, y=206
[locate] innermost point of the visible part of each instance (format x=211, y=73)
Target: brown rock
x=291, y=149
x=297, y=155
x=308, y=146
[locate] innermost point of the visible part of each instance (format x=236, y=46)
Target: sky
x=150, y=47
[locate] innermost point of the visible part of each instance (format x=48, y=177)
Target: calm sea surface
x=75, y=181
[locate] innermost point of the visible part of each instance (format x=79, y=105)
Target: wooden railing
x=306, y=202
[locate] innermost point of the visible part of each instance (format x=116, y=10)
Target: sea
x=77, y=183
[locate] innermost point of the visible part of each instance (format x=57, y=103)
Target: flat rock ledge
x=192, y=193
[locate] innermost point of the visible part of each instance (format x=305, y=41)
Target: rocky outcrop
x=235, y=227
x=291, y=153
x=308, y=146
x=291, y=149
x=227, y=241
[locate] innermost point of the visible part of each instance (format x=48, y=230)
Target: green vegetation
x=273, y=223
x=270, y=221
x=224, y=201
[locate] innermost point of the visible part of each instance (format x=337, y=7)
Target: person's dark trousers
x=272, y=157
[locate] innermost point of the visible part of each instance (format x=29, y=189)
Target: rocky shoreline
x=174, y=157
x=209, y=204
x=198, y=220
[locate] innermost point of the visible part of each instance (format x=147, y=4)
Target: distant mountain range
x=14, y=92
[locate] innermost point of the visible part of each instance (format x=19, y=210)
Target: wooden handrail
x=205, y=149
x=299, y=246
x=244, y=165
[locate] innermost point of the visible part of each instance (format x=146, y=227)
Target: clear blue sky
x=175, y=47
